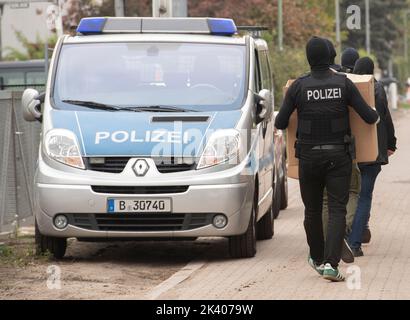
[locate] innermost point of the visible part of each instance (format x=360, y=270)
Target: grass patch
x=20, y=252
x=404, y=105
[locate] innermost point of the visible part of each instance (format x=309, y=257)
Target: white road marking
x=175, y=279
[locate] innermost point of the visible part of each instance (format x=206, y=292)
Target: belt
x=330, y=147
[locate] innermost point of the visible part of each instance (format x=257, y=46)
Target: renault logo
x=141, y=167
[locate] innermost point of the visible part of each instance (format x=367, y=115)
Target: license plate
x=139, y=205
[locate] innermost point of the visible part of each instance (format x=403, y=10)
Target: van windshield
x=200, y=77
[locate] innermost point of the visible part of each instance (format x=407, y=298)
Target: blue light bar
x=91, y=25
x=224, y=27
x=115, y=25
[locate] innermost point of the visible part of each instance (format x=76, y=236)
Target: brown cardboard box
x=365, y=134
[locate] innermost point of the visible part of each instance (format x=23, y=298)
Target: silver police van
x=157, y=129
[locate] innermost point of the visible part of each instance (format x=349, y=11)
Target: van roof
x=157, y=37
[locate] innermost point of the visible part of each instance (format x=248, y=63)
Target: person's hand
x=390, y=152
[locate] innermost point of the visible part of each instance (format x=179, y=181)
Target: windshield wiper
x=162, y=109
x=100, y=106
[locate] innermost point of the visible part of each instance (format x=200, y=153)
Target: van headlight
x=62, y=146
x=223, y=146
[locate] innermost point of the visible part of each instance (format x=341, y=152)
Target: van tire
x=276, y=199
x=284, y=188
x=56, y=246
x=265, y=226
x=244, y=246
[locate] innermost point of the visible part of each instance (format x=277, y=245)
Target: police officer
x=325, y=158
x=333, y=54
x=349, y=58
x=355, y=182
x=369, y=171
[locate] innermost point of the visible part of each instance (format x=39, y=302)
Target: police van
x=159, y=129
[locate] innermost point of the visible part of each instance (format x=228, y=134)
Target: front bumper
x=213, y=194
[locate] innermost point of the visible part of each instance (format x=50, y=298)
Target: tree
x=385, y=31
x=32, y=50
x=302, y=19
x=140, y=8
x=78, y=9
x=75, y=10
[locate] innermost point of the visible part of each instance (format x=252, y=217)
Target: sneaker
x=332, y=274
x=358, y=252
x=367, y=236
x=318, y=268
x=347, y=253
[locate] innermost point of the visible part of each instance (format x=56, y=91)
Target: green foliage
x=404, y=105
x=32, y=50
x=287, y=64
x=401, y=72
x=5, y=251
x=20, y=252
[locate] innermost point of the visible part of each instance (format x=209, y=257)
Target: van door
x=261, y=132
x=267, y=125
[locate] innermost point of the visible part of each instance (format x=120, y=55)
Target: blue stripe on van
x=134, y=134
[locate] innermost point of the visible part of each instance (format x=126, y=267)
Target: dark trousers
x=369, y=175
x=320, y=169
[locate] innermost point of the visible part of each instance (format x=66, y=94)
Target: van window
x=266, y=73
x=196, y=76
x=258, y=75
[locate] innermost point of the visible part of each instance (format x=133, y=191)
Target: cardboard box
x=365, y=134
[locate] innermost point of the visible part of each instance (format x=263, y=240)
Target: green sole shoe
x=318, y=268
x=332, y=274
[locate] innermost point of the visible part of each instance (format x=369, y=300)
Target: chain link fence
x=19, y=144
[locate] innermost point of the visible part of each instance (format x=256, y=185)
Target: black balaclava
x=364, y=65
x=318, y=54
x=349, y=58
x=332, y=50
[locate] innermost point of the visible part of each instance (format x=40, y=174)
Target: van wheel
x=276, y=199
x=244, y=246
x=44, y=244
x=265, y=226
x=284, y=188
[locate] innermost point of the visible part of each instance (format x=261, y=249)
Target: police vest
x=323, y=115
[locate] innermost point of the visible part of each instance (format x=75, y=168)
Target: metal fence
x=19, y=143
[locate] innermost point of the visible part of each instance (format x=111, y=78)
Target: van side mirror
x=264, y=106
x=31, y=104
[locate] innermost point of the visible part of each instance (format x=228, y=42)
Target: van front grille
x=167, y=166
x=118, y=164
x=140, y=222
x=140, y=189
x=109, y=164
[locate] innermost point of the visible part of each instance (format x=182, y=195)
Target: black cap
x=349, y=58
x=318, y=54
x=364, y=65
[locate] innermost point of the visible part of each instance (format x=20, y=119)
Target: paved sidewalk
x=280, y=271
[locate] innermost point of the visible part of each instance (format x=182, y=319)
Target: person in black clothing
x=354, y=190
x=322, y=99
x=370, y=171
x=349, y=58
x=333, y=54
